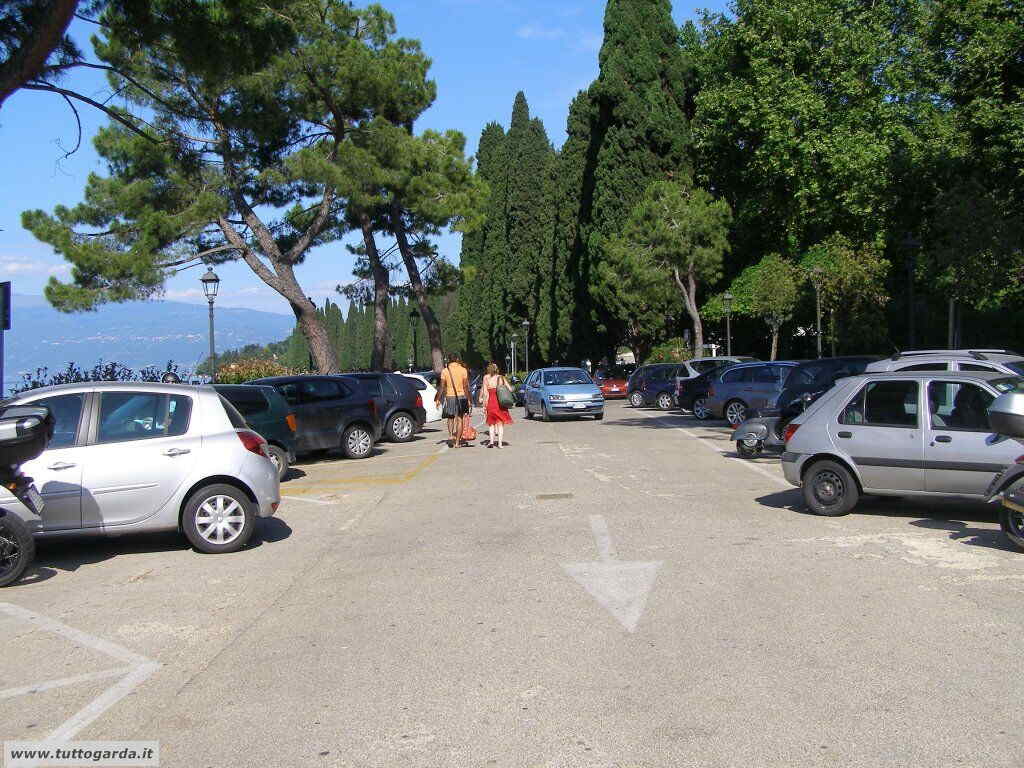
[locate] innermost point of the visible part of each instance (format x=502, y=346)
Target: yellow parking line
x=389, y=479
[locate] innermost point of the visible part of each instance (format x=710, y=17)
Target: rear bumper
x=260, y=475
x=792, y=463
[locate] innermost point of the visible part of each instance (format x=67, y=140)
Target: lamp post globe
x=211, y=284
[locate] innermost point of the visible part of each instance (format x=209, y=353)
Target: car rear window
x=249, y=402
x=236, y=419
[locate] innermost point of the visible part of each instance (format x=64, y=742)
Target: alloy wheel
x=636, y=400
x=736, y=413
x=220, y=519
x=664, y=401
x=700, y=409
x=359, y=442
x=402, y=427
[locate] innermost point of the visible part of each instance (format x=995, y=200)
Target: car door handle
x=59, y=465
x=177, y=451
x=846, y=435
x=943, y=439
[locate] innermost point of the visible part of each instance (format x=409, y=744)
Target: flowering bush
x=247, y=369
x=672, y=351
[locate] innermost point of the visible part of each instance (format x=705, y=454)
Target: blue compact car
x=554, y=392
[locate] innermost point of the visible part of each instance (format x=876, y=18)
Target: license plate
x=579, y=405
x=32, y=499
x=615, y=389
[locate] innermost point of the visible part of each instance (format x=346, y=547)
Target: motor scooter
x=766, y=429
x=1006, y=417
x=25, y=431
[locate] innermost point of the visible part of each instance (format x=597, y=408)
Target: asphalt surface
x=621, y=593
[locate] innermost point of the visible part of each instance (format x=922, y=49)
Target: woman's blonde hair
x=492, y=369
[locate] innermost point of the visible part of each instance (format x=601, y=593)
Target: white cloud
x=537, y=31
x=11, y=267
x=58, y=269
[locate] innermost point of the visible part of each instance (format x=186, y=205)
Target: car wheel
x=735, y=412
x=829, y=489
x=279, y=458
x=526, y=412
x=1012, y=523
x=356, y=442
x=749, y=449
x=664, y=401
x=218, y=518
x=17, y=548
x=401, y=428
x=544, y=415
x=636, y=400
x=700, y=409
x=598, y=417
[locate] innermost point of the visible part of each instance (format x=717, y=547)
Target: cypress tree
x=629, y=129
x=529, y=221
x=474, y=316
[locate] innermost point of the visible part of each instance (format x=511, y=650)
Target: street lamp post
x=211, y=283
x=727, y=301
x=526, y=344
x=414, y=317
x=512, y=344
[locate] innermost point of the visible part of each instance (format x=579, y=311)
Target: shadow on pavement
x=950, y=515
x=71, y=554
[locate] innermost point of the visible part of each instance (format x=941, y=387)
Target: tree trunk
x=311, y=324
x=689, y=291
x=420, y=291
x=775, y=341
x=381, y=296
x=26, y=62
x=832, y=333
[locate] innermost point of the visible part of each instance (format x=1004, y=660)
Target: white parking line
x=705, y=441
x=140, y=669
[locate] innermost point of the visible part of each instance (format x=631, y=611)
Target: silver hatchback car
x=140, y=457
x=898, y=434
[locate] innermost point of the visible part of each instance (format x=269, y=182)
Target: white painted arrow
x=621, y=587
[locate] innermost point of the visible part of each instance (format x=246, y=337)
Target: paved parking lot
x=619, y=593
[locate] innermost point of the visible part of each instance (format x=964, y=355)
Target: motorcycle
x=1006, y=417
x=766, y=430
x=25, y=431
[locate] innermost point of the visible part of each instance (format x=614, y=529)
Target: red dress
x=495, y=413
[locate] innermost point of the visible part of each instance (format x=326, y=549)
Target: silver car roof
x=966, y=375
x=123, y=386
x=957, y=355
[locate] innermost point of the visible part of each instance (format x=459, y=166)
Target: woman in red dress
x=497, y=417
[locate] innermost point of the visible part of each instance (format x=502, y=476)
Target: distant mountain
x=136, y=334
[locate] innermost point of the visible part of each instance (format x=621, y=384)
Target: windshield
x=559, y=378
x=1017, y=366
x=1009, y=384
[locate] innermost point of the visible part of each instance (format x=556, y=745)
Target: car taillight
x=711, y=391
x=290, y=421
x=373, y=407
x=419, y=400
x=790, y=431
x=1019, y=460
x=252, y=442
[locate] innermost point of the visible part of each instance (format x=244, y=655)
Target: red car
x=611, y=382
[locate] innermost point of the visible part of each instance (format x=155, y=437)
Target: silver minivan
x=898, y=434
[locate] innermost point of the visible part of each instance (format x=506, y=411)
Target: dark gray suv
x=743, y=387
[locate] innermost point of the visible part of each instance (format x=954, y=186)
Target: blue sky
x=483, y=52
